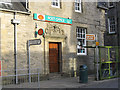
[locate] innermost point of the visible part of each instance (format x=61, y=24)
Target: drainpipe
x=15, y=22
x=117, y=20
x=44, y=56
x=15, y=48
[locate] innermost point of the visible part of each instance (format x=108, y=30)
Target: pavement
x=110, y=83
x=69, y=82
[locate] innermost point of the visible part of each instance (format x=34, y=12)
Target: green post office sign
x=53, y=19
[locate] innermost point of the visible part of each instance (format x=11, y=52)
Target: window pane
x=56, y=4
x=83, y=51
x=75, y=8
x=83, y=31
x=83, y=35
x=111, y=3
x=53, y=3
x=79, y=50
x=75, y=4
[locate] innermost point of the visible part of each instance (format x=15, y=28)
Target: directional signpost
x=29, y=43
x=35, y=42
x=97, y=57
x=93, y=37
x=0, y=68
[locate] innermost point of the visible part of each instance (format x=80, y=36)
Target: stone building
x=60, y=49
x=112, y=22
x=112, y=37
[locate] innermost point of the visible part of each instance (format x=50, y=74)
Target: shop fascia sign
x=53, y=19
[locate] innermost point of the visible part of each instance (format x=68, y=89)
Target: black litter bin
x=83, y=74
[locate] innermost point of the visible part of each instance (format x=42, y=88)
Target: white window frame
x=27, y=4
x=79, y=36
x=80, y=6
x=58, y=1
x=110, y=25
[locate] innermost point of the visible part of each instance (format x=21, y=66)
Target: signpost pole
x=0, y=68
x=31, y=42
x=28, y=45
x=0, y=74
x=92, y=37
x=97, y=58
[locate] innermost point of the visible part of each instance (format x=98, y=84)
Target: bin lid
x=83, y=66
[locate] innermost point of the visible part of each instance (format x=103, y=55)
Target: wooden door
x=53, y=57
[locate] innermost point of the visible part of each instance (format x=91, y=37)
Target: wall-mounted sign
x=41, y=31
x=90, y=37
x=53, y=19
x=35, y=42
x=97, y=43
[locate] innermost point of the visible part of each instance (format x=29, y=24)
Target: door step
x=55, y=76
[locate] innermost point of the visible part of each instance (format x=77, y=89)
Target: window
x=110, y=4
x=78, y=6
x=56, y=3
x=111, y=25
x=81, y=41
x=25, y=4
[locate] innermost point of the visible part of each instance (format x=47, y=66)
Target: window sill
x=110, y=7
x=78, y=11
x=81, y=54
x=55, y=6
x=111, y=33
